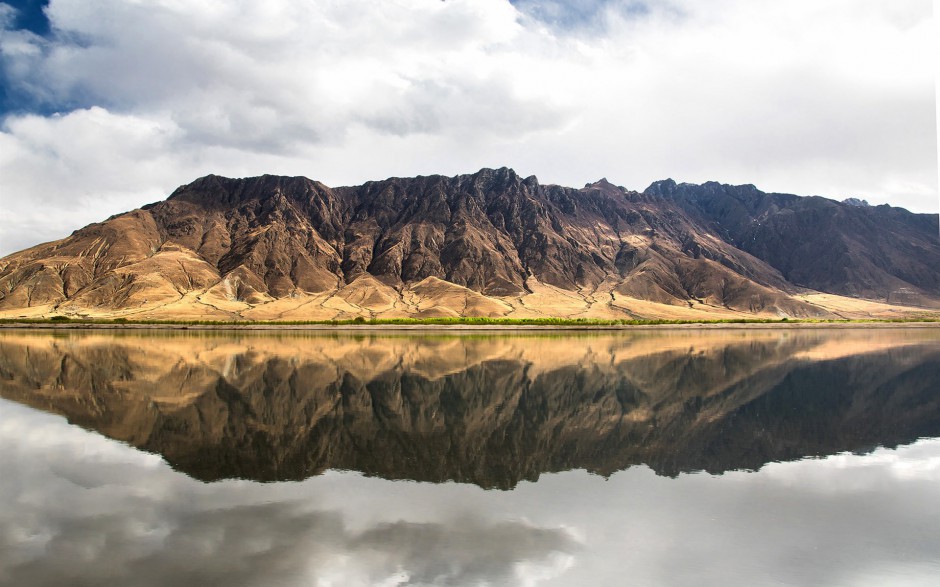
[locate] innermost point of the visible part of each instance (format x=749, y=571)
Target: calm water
x=795, y=457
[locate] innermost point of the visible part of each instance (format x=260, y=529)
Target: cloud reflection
x=82, y=510
x=79, y=509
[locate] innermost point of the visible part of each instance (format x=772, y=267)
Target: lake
x=674, y=457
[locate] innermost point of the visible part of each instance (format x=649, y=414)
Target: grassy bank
x=466, y=321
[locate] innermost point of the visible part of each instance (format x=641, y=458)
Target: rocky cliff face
x=848, y=248
x=490, y=411
x=491, y=244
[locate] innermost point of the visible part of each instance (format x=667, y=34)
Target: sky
x=108, y=105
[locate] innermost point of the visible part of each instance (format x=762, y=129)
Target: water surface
x=767, y=457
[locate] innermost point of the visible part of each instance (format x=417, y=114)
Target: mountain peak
x=663, y=187
x=502, y=174
x=230, y=191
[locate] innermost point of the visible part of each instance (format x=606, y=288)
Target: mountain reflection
x=489, y=410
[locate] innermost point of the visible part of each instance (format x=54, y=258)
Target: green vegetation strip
x=472, y=321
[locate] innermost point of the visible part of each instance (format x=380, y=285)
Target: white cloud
x=833, y=98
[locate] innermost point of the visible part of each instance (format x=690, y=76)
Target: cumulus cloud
x=831, y=98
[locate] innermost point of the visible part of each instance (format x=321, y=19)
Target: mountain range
x=491, y=244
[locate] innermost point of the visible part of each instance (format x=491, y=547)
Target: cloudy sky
x=111, y=104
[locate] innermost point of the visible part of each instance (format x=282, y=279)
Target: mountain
x=846, y=248
x=484, y=410
x=487, y=244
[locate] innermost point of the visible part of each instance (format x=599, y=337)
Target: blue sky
x=109, y=105
x=30, y=15
x=574, y=14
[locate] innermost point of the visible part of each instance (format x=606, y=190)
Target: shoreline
x=470, y=327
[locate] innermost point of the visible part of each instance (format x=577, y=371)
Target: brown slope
x=492, y=243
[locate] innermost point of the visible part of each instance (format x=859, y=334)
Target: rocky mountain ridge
x=848, y=248
x=491, y=244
